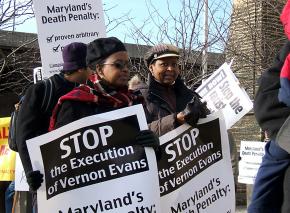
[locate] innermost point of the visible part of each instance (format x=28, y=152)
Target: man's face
x=165, y=70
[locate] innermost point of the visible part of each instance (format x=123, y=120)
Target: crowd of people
x=94, y=80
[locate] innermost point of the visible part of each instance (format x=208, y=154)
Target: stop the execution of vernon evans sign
x=95, y=158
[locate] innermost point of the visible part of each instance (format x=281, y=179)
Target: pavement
x=241, y=209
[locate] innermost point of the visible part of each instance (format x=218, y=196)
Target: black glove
x=147, y=138
x=194, y=110
x=204, y=111
x=34, y=179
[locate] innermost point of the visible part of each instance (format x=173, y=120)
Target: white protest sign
x=195, y=173
x=251, y=153
x=91, y=165
x=62, y=22
x=222, y=91
x=20, y=178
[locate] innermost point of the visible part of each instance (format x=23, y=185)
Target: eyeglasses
x=121, y=65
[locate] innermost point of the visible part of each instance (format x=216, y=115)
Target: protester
x=108, y=58
x=267, y=193
x=283, y=134
x=135, y=83
x=168, y=101
x=32, y=121
x=271, y=115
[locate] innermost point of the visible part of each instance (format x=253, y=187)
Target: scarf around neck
x=100, y=95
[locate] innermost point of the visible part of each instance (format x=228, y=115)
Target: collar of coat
x=98, y=96
x=183, y=93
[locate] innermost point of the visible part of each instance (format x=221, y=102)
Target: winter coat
x=72, y=110
x=32, y=121
x=269, y=112
x=160, y=116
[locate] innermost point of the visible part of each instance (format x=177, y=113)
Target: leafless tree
x=248, y=31
x=246, y=35
x=15, y=60
x=19, y=54
x=183, y=27
x=15, y=12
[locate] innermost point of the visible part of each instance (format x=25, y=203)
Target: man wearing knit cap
x=32, y=120
x=169, y=102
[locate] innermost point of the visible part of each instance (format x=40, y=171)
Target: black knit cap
x=160, y=51
x=102, y=48
x=74, y=56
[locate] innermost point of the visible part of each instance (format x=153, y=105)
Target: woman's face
x=165, y=70
x=115, y=69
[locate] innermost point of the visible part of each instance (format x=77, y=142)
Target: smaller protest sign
x=251, y=153
x=7, y=156
x=222, y=91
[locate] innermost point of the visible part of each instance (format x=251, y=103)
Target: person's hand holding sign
x=194, y=110
x=34, y=180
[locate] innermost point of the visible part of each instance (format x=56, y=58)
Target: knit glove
x=34, y=180
x=194, y=110
x=147, y=138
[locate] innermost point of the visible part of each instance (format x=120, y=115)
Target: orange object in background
x=7, y=156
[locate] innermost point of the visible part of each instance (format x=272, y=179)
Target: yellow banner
x=7, y=156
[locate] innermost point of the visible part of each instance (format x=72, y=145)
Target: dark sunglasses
x=121, y=65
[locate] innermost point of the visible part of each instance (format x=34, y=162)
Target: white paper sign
x=91, y=164
x=195, y=173
x=251, y=153
x=20, y=178
x=62, y=22
x=222, y=91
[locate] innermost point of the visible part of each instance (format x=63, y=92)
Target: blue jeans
x=9, y=195
x=267, y=194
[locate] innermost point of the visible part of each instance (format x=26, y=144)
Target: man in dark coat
x=267, y=194
x=32, y=120
x=168, y=101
